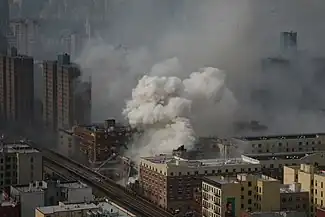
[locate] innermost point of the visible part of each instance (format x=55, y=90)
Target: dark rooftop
x=292, y=136
x=282, y=155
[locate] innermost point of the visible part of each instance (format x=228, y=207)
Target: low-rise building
x=169, y=181
x=281, y=143
x=292, y=198
x=100, y=141
x=227, y=196
x=93, y=209
x=312, y=180
x=19, y=164
x=41, y=193
x=272, y=163
x=274, y=214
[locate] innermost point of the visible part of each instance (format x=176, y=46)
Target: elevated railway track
x=118, y=194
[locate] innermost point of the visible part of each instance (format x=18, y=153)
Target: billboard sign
x=230, y=207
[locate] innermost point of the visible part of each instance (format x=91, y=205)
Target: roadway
x=118, y=194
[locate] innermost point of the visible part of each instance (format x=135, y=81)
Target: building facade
x=170, y=181
x=103, y=208
x=67, y=99
x=17, y=87
x=227, y=196
x=312, y=180
x=41, y=193
x=19, y=164
x=281, y=143
x=26, y=34
x=100, y=141
x=8, y=207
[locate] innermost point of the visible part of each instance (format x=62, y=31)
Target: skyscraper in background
x=17, y=87
x=4, y=16
x=67, y=99
x=4, y=22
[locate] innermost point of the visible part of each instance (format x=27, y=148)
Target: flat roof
x=66, y=207
x=77, y=184
x=174, y=161
x=280, y=155
x=280, y=137
x=93, y=207
x=16, y=147
x=291, y=188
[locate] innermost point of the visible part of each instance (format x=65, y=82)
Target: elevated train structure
x=120, y=195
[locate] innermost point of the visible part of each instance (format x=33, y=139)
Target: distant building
x=94, y=209
x=66, y=100
x=281, y=143
x=41, y=193
x=100, y=141
x=17, y=87
x=26, y=34
x=19, y=164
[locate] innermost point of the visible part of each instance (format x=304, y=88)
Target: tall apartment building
x=19, y=164
x=66, y=100
x=17, y=87
x=25, y=32
x=230, y=196
x=312, y=179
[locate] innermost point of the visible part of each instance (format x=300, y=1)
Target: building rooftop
x=221, y=180
x=66, y=207
x=19, y=147
x=39, y=186
x=177, y=161
x=280, y=155
x=104, y=207
x=291, y=188
x=73, y=185
x=282, y=137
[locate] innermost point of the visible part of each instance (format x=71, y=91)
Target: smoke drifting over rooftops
x=231, y=35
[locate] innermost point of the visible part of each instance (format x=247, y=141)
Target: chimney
x=289, y=41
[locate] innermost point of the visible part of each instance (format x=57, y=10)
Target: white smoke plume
x=162, y=105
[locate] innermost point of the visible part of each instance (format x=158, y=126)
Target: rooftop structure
x=283, y=137
x=13, y=147
x=98, y=209
x=281, y=155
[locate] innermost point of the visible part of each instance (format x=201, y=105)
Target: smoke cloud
x=162, y=106
x=234, y=36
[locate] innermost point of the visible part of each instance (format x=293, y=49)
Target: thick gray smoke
x=162, y=106
x=230, y=35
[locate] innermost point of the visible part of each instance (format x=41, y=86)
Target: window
x=249, y=193
x=249, y=201
x=249, y=184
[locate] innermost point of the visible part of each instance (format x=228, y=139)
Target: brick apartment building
x=16, y=87
x=100, y=141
